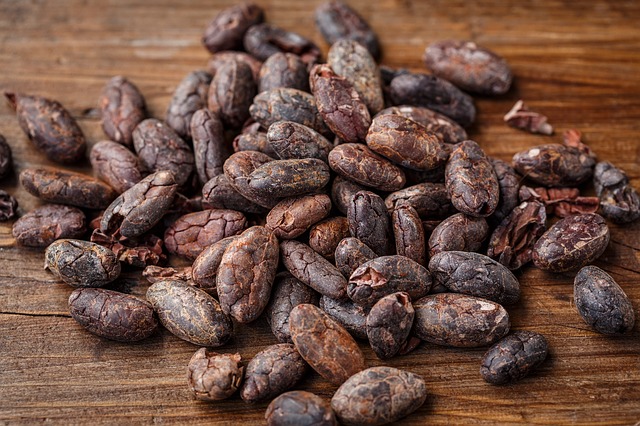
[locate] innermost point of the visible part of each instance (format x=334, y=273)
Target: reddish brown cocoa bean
x=430, y=200
x=342, y=191
x=205, y=267
x=116, y=165
x=458, y=233
x=324, y=236
x=239, y=167
x=44, y=225
x=209, y=146
x=389, y=323
x=189, y=97
x=123, y=108
x=231, y=93
x=513, y=357
x=509, y=183
x=554, y=165
x=81, y=263
x=264, y=40
x=153, y=273
x=447, y=130
x=324, y=344
x=283, y=70
x=221, y=58
x=369, y=222
x=358, y=163
x=289, y=178
x=408, y=233
x=561, y=202
x=212, y=376
x=227, y=29
x=291, y=217
x=350, y=254
x=351, y=316
x=219, y=194
x=292, y=140
x=253, y=140
x=619, y=201
x=300, y=408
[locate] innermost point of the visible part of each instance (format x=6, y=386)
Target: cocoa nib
x=522, y=118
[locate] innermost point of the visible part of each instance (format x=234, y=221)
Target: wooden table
x=576, y=62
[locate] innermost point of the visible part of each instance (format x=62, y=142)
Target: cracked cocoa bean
x=337, y=21
x=349, y=315
x=116, y=165
x=292, y=140
x=458, y=233
x=239, y=167
x=289, y=178
x=325, y=236
x=470, y=67
x=509, y=184
x=324, y=344
x=64, y=187
x=212, y=376
x=554, y=165
x=218, y=193
x=227, y=29
x=290, y=105
x=340, y=105
x=342, y=191
x=471, y=181
x=8, y=206
x=160, y=148
x=408, y=233
x=51, y=128
x=350, y=254
x=369, y=221
x=291, y=217
x=378, y=395
x=430, y=200
x=123, y=108
x=431, y=92
x=513, y=357
x=138, y=252
x=312, y=269
x=153, y=273
x=138, y=209
x=246, y=273
x=406, y=143
x=231, y=93
x=81, y=263
x=204, y=269
x=561, y=202
x=389, y=323
x=190, y=96
x=209, y=146
x=112, y=315
x=571, y=243
x=264, y=40
x=351, y=60
x=5, y=158
x=272, y=371
x=189, y=313
x=512, y=241
x=619, y=201
x=447, y=130
x=385, y=275
x=476, y=275
x=251, y=139
x=283, y=70
x=45, y=224
x=220, y=59
x=300, y=408
x=601, y=302
x=460, y=321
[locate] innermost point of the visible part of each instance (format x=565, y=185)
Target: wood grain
x=577, y=63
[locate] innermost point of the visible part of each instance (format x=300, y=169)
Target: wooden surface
x=576, y=62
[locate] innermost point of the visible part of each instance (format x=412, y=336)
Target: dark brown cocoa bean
x=447, y=130
x=112, y=315
x=272, y=371
x=138, y=209
x=231, y=93
x=292, y=140
x=458, y=233
x=554, y=165
x=378, y=395
x=509, y=183
x=213, y=376
x=227, y=29
x=221, y=58
x=571, y=243
x=190, y=234
x=513, y=357
x=239, y=167
x=5, y=158
x=81, y=263
x=246, y=273
x=339, y=104
x=313, y=269
x=350, y=254
x=336, y=21
x=342, y=191
x=290, y=105
x=264, y=40
x=219, y=194
x=300, y=408
x=351, y=316
x=385, y=275
x=123, y=108
x=512, y=241
x=283, y=70
x=50, y=127
x=369, y=222
x=389, y=323
x=458, y=320
x=471, y=181
x=408, y=233
x=476, y=275
x=289, y=178
x=324, y=344
x=64, y=187
x=619, y=201
x=44, y=225
x=469, y=66
x=209, y=146
x=430, y=200
x=358, y=163
x=190, y=313
x=324, y=236
x=601, y=302
x=431, y=92
x=291, y=217
x=160, y=148
x=190, y=96
x=406, y=143
x=205, y=267
x=352, y=60
x=116, y=165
